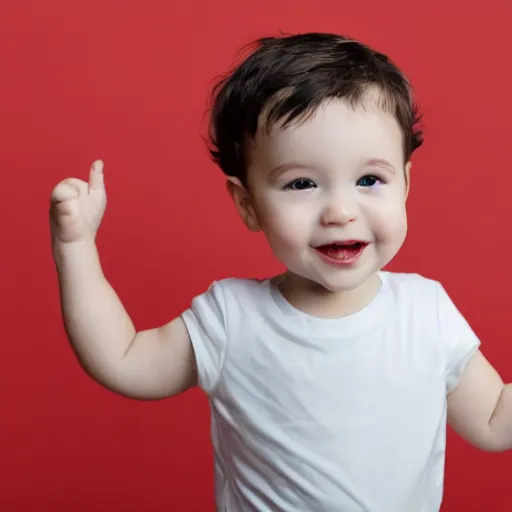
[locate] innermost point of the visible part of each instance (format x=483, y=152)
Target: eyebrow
x=280, y=169
x=376, y=162
x=380, y=162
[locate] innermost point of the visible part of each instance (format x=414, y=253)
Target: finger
x=63, y=192
x=65, y=209
x=96, y=179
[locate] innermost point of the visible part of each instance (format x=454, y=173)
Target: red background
x=127, y=81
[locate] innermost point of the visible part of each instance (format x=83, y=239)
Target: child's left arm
x=480, y=407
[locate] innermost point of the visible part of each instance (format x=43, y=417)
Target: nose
x=338, y=213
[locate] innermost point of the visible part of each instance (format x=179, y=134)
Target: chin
x=309, y=275
x=348, y=282
x=347, y=286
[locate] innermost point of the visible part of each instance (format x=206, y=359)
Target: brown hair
x=286, y=78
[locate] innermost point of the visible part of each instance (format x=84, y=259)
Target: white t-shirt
x=328, y=415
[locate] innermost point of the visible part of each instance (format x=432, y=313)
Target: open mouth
x=346, y=251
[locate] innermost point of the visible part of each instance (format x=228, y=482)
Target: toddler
x=330, y=385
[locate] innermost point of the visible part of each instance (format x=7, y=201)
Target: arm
x=480, y=407
x=151, y=364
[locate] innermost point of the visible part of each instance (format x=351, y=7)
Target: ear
x=243, y=202
x=408, y=166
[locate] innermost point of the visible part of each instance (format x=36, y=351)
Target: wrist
x=76, y=256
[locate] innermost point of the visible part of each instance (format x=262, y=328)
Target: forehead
x=336, y=134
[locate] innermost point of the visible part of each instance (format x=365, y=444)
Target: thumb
x=96, y=178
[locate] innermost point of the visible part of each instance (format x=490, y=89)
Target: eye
x=368, y=181
x=300, y=184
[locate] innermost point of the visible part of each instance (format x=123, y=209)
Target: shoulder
x=413, y=300
x=426, y=301
x=230, y=294
x=411, y=285
x=239, y=289
x=239, y=284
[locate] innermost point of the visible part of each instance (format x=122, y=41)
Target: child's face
x=338, y=177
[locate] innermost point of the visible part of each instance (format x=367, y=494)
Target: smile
x=342, y=252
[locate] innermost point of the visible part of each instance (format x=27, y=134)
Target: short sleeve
x=205, y=322
x=459, y=340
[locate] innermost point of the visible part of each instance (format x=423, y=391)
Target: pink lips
x=343, y=253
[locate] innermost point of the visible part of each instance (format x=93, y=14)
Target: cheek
x=287, y=225
x=389, y=222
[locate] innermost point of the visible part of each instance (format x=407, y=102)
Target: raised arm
x=151, y=364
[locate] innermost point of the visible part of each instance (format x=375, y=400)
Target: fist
x=77, y=207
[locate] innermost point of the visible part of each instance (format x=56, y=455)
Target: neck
x=315, y=300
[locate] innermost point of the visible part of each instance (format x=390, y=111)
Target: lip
x=350, y=260
x=342, y=242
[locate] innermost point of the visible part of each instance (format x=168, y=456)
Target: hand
x=77, y=207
